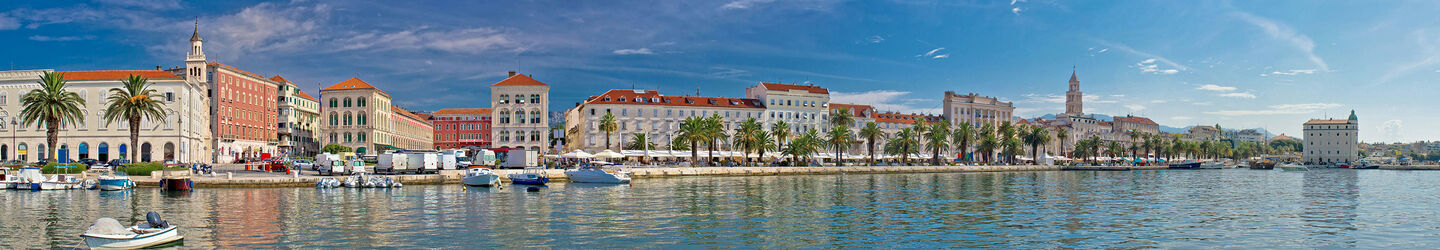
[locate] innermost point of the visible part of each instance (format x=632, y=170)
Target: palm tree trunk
x=52, y=135
x=134, y=138
x=607, y=140
x=1035, y=153
x=694, y=153
x=872, y=152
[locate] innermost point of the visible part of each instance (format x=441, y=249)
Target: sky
x=1241, y=64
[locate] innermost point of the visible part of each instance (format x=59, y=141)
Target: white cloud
x=1159, y=101
x=885, y=100
x=8, y=23
x=1135, y=107
x=1391, y=130
x=1036, y=98
x=932, y=52
x=941, y=56
x=1149, y=66
x=1012, y=2
x=145, y=4
x=1239, y=95
x=875, y=39
x=60, y=38
x=727, y=72
x=1132, y=51
x=1292, y=72
x=1015, y=10
x=1283, y=109
x=743, y=4
x=472, y=41
x=640, y=51
x=1284, y=32
x=1213, y=87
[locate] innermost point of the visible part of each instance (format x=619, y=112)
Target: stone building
x=519, y=106
x=1332, y=141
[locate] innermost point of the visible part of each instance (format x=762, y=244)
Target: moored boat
x=597, y=175
x=480, y=176
x=1262, y=164
x=114, y=182
x=1188, y=164
x=107, y=233
x=1212, y=165
x=176, y=183
x=531, y=176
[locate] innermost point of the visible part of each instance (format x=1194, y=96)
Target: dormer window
x=607, y=98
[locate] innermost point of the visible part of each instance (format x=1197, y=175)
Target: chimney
x=157, y=67
x=512, y=73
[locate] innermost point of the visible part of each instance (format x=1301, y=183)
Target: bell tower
x=1073, y=98
x=195, y=59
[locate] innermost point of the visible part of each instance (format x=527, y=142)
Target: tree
x=1037, y=136
x=1285, y=145
x=838, y=137
x=1134, y=142
x=1007, y=132
x=871, y=133
x=608, y=124
x=963, y=135
x=938, y=138
x=904, y=144
x=133, y=101
x=639, y=142
x=679, y=143
x=54, y=106
x=714, y=133
x=764, y=141
x=745, y=136
x=781, y=131
x=988, y=143
x=1062, y=134
x=334, y=148
x=842, y=118
x=692, y=131
x=804, y=145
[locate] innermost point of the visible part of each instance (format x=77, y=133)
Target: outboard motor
x=154, y=219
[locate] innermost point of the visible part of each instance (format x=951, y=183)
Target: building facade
x=461, y=128
x=1125, y=124
x=298, y=121
x=357, y=115
x=1246, y=135
x=1332, y=141
x=1204, y=133
x=410, y=131
x=520, y=107
x=244, y=113
x=977, y=110
x=647, y=112
x=802, y=107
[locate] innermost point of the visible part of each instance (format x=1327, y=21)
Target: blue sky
x=1243, y=64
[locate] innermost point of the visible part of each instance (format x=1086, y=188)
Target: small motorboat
x=531, y=176
x=107, y=233
x=176, y=183
x=1262, y=164
x=596, y=174
x=1188, y=164
x=480, y=176
x=1292, y=167
x=113, y=182
x=1212, y=165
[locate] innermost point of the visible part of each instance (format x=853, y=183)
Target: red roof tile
x=1136, y=120
x=651, y=97
x=892, y=117
x=279, y=79
x=465, y=111
x=401, y=111
x=307, y=96
x=243, y=72
x=519, y=79
x=788, y=87
x=118, y=74
x=352, y=83
x=857, y=110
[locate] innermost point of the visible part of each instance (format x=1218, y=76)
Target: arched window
x=504, y=137
x=534, y=136
x=348, y=119
x=21, y=151
x=535, y=98
x=520, y=116
x=84, y=150
x=360, y=101
x=347, y=102
x=360, y=137
x=334, y=119
x=504, y=99
x=145, y=152
x=504, y=116
x=332, y=102
x=348, y=137
x=535, y=116
x=103, y=151
x=333, y=137
x=360, y=119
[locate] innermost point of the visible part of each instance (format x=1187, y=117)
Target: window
x=360, y=137
x=360, y=119
x=334, y=120
x=347, y=102
x=504, y=99
x=360, y=102
x=332, y=102
x=504, y=116
x=534, y=136
x=534, y=98
x=520, y=115
x=535, y=116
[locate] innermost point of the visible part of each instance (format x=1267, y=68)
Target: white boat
x=1292, y=167
x=597, y=175
x=1212, y=165
x=107, y=233
x=112, y=182
x=480, y=176
x=531, y=176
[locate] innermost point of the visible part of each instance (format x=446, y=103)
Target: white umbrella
x=608, y=154
x=578, y=154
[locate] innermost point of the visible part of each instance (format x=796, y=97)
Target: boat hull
x=115, y=184
x=176, y=184
x=1192, y=165
x=133, y=241
x=529, y=179
x=481, y=180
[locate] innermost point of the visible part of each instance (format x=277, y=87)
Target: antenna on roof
x=697, y=90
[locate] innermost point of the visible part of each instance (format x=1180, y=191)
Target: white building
x=803, y=107
x=520, y=119
x=1246, y=135
x=648, y=112
x=1332, y=141
x=977, y=110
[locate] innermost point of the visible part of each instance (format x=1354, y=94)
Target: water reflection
x=1130, y=209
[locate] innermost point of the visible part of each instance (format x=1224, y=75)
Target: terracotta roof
x=1135, y=119
x=857, y=110
x=1327, y=122
x=1107, y=124
x=118, y=74
x=279, y=79
x=1282, y=137
x=352, y=83
x=401, y=111
x=892, y=117
x=788, y=87
x=469, y=111
x=257, y=76
x=519, y=79
x=651, y=97
x=307, y=96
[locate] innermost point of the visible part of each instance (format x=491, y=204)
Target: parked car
x=42, y=162
x=89, y=162
x=118, y=162
x=304, y=164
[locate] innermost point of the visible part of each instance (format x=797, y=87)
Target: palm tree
x=904, y=144
x=639, y=142
x=987, y=143
x=938, y=138
x=1114, y=149
x=679, y=143
x=764, y=141
x=871, y=132
x=838, y=137
x=714, y=133
x=920, y=126
x=745, y=136
x=781, y=131
x=1007, y=132
x=54, y=106
x=692, y=131
x=962, y=136
x=842, y=118
x=1134, y=134
x=1037, y=136
x=805, y=145
x=1062, y=134
x=607, y=124
x=1013, y=147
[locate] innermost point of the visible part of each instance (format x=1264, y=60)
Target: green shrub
x=144, y=168
x=53, y=168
